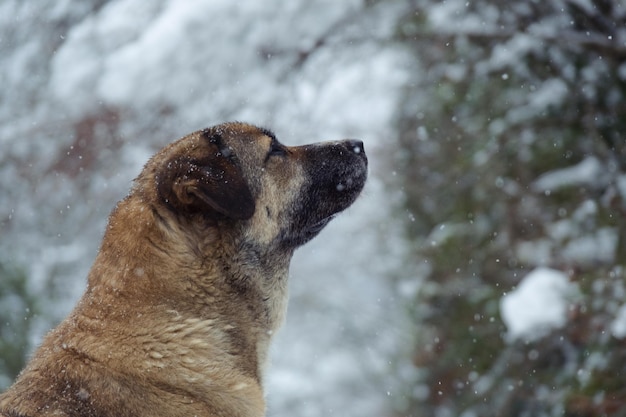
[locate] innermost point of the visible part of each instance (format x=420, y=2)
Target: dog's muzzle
x=336, y=174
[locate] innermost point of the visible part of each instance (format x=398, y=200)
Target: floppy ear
x=214, y=184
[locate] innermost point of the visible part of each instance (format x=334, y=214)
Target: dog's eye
x=276, y=149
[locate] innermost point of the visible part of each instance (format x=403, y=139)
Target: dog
x=190, y=282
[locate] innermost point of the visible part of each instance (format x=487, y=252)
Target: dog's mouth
x=318, y=226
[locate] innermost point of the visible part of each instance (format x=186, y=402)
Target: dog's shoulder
x=81, y=370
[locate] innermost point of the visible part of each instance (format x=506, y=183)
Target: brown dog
x=191, y=280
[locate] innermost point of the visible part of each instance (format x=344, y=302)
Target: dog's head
x=241, y=175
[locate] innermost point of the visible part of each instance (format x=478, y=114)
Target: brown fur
x=190, y=282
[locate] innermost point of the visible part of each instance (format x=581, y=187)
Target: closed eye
x=276, y=149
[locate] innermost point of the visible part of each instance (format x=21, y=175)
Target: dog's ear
x=212, y=184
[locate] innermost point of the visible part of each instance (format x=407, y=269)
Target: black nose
x=355, y=145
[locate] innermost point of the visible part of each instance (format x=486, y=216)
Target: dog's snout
x=355, y=145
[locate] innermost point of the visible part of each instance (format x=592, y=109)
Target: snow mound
x=586, y=173
x=618, y=326
x=539, y=304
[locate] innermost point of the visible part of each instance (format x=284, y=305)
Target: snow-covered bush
x=511, y=156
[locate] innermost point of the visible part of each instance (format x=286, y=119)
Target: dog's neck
x=259, y=285
x=204, y=260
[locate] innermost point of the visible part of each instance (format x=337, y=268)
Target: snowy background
x=480, y=273
x=92, y=89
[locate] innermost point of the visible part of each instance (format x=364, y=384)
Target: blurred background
x=482, y=271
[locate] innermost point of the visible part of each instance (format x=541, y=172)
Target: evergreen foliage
x=18, y=306
x=511, y=102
